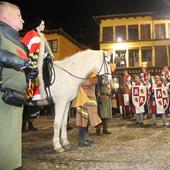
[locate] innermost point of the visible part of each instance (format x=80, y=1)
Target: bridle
x=104, y=64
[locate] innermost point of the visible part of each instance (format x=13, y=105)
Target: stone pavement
x=129, y=147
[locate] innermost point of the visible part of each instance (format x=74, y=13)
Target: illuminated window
x=120, y=32
x=133, y=32
x=53, y=45
x=160, y=56
x=108, y=34
x=147, y=55
x=120, y=58
x=133, y=57
x=168, y=30
x=145, y=32
x=160, y=31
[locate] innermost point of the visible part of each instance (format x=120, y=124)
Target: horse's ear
x=109, y=56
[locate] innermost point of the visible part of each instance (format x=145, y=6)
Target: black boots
x=84, y=141
x=105, y=128
x=98, y=130
x=83, y=135
x=31, y=127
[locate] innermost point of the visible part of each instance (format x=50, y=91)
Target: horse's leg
x=64, y=139
x=59, y=111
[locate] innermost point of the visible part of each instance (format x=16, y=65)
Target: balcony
x=137, y=70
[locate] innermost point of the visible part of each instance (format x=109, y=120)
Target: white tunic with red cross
x=160, y=99
x=139, y=97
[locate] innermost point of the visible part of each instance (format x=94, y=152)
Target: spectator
x=13, y=59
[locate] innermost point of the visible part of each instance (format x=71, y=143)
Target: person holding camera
x=14, y=70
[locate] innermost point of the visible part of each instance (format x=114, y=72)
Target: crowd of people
x=99, y=97
x=139, y=97
x=143, y=95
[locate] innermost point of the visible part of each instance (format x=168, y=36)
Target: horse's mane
x=74, y=57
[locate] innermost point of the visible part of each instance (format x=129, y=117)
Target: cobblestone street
x=128, y=148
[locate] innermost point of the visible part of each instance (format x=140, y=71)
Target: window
x=108, y=34
x=133, y=32
x=133, y=57
x=169, y=30
x=160, y=31
x=147, y=55
x=145, y=32
x=53, y=45
x=120, y=32
x=120, y=58
x=160, y=56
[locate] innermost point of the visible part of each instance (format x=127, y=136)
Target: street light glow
x=119, y=39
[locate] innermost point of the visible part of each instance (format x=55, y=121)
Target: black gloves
x=10, y=60
x=30, y=71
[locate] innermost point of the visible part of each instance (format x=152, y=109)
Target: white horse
x=66, y=85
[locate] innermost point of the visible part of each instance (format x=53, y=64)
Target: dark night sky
x=75, y=17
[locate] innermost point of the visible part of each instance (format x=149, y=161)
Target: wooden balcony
x=137, y=70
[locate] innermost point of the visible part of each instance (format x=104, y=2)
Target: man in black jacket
x=15, y=69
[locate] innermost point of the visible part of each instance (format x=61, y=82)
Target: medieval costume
x=115, y=91
x=127, y=94
x=139, y=97
x=86, y=109
x=165, y=74
x=145, y=76
x=146, y=80
x=38, y=49
x=104, y=93
x=34, y=40
x=160, y=100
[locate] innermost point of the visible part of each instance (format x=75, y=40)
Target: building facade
x=62, y=44
x=136, y=38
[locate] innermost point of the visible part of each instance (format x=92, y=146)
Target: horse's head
x=107, y=67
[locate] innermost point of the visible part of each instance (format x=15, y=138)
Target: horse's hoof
x=59, y=150
x=67, y=147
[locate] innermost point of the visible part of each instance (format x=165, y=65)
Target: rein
x=83, y=78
